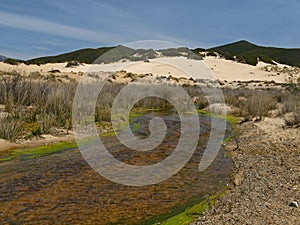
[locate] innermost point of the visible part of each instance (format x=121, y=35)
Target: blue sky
x=45, y=27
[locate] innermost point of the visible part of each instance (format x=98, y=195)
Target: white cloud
x=44, y=26
x=135, y=32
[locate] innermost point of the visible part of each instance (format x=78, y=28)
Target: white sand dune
x=176, y=66
x=22, y=68
x=234, y=71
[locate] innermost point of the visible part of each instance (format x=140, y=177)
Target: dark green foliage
x=236, y=48
x=212, y=54
x=13, y=61
x=266, y=59
x=115, y=54
x=111, y=54
x=173, y=52
x=241, y=51
x=249, y=53
x=227, y=55
x=248, y=59
x=198, y=50
x=148, y=54
x=194, y=56
x=88, y=55
x=36, y=132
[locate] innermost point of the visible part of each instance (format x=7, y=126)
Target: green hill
x=247, y=52
x=2, y=58
x=112, y=54
x=241, y=51
x=88, y=55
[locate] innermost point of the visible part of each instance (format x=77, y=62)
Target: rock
x=256, y=119
x=2, y=108
x=3, y=115
x=238, y=178
x=242, y=99
x=72, y=64
x=54, y=131
x=276, y=112
x=54, y=71
x=291, y=118
x=220, y=108
x=241, y=120
x=294, y=204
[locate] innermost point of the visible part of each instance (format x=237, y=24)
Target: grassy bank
x=31, y=153
x=184, y=214
x=189, y=214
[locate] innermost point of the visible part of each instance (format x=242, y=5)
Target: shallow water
x=63, y=189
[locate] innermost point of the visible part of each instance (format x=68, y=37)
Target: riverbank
x=266, y=181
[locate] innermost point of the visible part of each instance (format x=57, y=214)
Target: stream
x=62, y=188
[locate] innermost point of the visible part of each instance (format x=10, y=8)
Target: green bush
x=266, y=59
x=12, y=61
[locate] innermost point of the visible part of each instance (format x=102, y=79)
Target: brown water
x=62, y=189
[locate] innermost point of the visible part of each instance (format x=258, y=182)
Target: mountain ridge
x=2, y=58
x=249, y=53
x=242, y=51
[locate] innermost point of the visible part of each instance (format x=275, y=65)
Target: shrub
x=266, y=59
x=11, y=128
x=247, y=59
x=12, y=61
x=212, y=54
x=34, y=75
x=260, y=104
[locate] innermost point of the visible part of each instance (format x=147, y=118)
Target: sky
x=37, y=28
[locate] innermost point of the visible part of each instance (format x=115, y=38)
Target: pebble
x=294, y=204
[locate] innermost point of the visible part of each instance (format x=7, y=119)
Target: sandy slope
x=231, y=70
x=22, y=68
x=176, y=66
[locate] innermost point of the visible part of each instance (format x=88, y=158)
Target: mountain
x=241, y=51
x=247, y=52
x=88, y=55
x=2, y=58
x=112, y=54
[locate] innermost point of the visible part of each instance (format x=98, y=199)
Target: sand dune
x=231, y=70
x=177, y=67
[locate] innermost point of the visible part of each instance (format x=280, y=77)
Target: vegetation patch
x=7, y=158
x=183, y=215
x=249, y=53
x=31, y=153
x=232, y=120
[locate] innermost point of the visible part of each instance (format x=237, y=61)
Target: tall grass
x=34, y=106
x=252, y=103
x=45, y=103
x=10, y=128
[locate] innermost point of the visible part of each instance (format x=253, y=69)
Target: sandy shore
x=266, y=181
x=45, y=139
